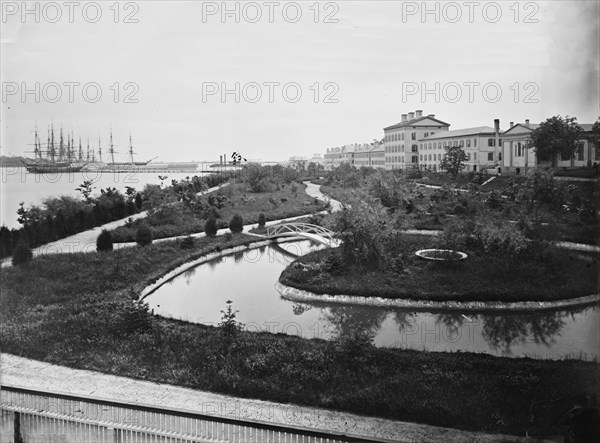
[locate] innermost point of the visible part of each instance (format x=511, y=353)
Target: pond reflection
x=248, y=277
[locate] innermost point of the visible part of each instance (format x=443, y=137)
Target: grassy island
x=555, y=274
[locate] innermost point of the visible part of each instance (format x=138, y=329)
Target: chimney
x=431, y=115
x=411, y=115
x=496, y=138
x=512, y=124
x=419, y=113
x=527, y=123
x=403, y=117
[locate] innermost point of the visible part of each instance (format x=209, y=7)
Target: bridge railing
x=43, y=416
x=273, y=231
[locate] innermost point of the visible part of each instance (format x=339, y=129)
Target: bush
x=210, y=227
x=143, y=236
x=187, y=243
x=262, y=220
x=22, y=254
x=104, y=242
x=236, y=224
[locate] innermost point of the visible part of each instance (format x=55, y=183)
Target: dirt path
x=26, y=373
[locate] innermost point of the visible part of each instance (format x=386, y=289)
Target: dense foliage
x=556, y=136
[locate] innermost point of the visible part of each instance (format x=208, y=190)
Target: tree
x=555, y=136
x=454, y=160
x=143, y=236
x=236, y=224
x=104, y=242
x=262, y=220
x=86, y=190
x=210, y=227
x=138, y=201
x=22, y=254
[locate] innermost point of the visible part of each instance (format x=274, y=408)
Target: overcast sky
x=364, y=63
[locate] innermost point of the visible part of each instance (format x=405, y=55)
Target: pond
x=248, y=277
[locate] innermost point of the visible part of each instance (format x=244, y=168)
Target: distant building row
x=419, y=141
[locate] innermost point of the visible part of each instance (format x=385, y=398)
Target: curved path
x=86, y=241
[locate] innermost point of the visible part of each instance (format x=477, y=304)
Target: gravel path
x=25, y=373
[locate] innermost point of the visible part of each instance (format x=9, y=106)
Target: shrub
x=104, y=242
x=236, y=224
x=22, y=254
x=143, y=235
x=187, y=243
x=262, y=220
x=459, y=210
x=210, y=227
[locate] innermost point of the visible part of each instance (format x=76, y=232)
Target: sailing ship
x=122, y=166
x=50, y=164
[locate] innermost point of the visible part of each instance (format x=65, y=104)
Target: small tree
x=210, y=227
x=454, y=160
x=230, y=327
x=143, y=236
x=555, y=136
x=104, y=242
x=22, y=254
x=236, y=224
x=262, y=220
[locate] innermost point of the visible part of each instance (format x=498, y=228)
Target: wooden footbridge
x=306, y=230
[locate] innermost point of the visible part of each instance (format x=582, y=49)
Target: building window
x=475, y=142
x=468, y=156
x=415, y=159
x=420, y=145
x=402, y=136
x=462, y=143
x=414, y=148
x=402, y=148
x=421, y=157
x=413, y=136
x=444, y=144
x=468, y=143
x=491, y=142
x=474, y=156
x=429, y=157
x=455, y=143
x=490, y=156
x=597, y=154
x=426, y=135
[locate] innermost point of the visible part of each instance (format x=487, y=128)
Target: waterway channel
x=248, y=277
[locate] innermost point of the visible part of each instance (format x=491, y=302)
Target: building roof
x=414, y=121
x=378, y=148
x=520, y=128
x=460, y=133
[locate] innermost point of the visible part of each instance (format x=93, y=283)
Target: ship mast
x=99, y=149
x=130, y=148
x=88, y=150
x=52, y=149
x=61, y=146
x=80, y=153
x=112, y=148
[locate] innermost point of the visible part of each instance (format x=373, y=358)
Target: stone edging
x=299, y=295
x=205, y=258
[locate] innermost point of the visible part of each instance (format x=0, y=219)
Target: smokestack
x=411, y=115
x=527, y=123
x=403, y=117
x=419, y=113
x=496, y=138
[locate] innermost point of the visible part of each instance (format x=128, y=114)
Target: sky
x=270, y=80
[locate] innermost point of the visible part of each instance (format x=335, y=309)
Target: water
x=248, y=279
x=17, y=185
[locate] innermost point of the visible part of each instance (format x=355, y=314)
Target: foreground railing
x=38, y=416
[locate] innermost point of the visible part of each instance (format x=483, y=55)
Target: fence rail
x=40, y=416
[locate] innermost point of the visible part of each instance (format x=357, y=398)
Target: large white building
x=401, y=141
x=479, y=144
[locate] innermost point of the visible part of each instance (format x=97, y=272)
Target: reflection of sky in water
x=248, y=277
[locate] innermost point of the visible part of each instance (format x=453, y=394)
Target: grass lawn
x=87, y=320
x=178, y=220
x=556, y=274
